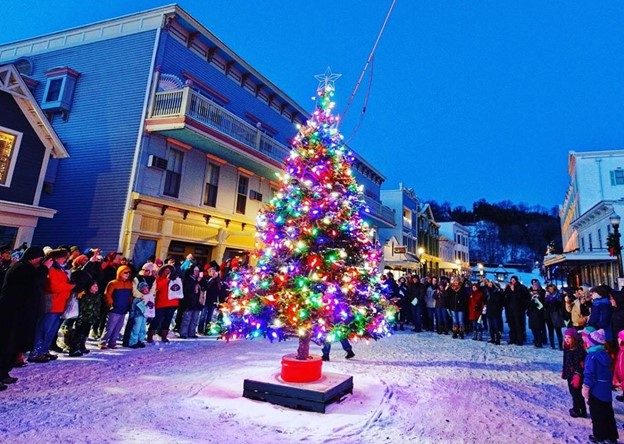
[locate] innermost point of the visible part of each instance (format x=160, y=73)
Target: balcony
x=194, y=119
x=191, y=118
x=384, y=216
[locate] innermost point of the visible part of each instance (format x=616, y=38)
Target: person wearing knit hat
x=573, y=361
x=597, y=379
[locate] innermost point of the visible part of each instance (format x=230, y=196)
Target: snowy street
x=408, y=388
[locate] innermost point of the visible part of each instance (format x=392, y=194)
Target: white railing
x=189, y=103
x=381, y=211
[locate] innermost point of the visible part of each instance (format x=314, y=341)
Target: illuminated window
x=9, y=147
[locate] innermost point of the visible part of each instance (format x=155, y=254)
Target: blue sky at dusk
x=469, y=100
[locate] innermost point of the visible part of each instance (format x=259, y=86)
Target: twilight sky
x=469, y=100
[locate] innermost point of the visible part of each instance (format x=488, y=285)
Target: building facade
x=401, y=241
x=27, y=143
x=594, y=196
x=460, y=236
x=429, y=241
x=175, y=140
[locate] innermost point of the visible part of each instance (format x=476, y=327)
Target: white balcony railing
x=186, y=102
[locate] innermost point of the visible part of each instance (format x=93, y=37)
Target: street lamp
x=480, y=267
x=615, y=223
x=423, y=262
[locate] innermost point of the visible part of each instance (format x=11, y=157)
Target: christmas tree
x=317, y=273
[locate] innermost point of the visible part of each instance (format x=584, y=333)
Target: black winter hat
x=33, y=253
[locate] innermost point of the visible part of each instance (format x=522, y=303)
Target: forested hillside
x=504, y=232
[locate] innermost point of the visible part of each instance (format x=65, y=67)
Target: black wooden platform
x=311, y=396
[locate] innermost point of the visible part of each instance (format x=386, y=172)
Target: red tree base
x=295, y=370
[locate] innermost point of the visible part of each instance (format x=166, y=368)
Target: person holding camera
x=536, y=313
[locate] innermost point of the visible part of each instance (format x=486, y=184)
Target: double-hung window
x=173, y=174
x=241, y=198
x=212, y=185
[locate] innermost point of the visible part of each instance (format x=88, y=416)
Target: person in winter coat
x=573, y=362
x=596, y=389
x=431, y=303
x=21, y=303
x=57, y=292
x=576, y=307
x=517, y=300
x=143, y=289
x=617, y=317
x=118, y=298
x=618, y=369
x=212, y=285
x=601, y=310
x=494, y=303
x=456, y=302
x=192, y=291
x=441, y=315
x=535, y=311
x=89, y=305
x=554, y=306
x=475, y=309
x=403, y=303
x=416, y=297
x=165, y=307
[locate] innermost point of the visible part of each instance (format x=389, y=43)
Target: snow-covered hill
x=408, y=388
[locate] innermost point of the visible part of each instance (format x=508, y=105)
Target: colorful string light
x=317, y=272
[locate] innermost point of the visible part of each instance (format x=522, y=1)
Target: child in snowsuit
x=90, y=305
x=597, y=387
x=573, y=360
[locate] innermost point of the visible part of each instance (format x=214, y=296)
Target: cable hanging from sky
x=369, y=61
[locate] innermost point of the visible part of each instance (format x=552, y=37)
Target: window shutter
x=612, y=174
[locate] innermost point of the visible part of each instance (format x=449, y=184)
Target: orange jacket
x=59, y=289
x=162, y=293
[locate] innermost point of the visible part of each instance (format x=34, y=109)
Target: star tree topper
x=327, y=79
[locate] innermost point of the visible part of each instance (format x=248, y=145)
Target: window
x=582, y=244
x=212, y=185
x=599, y=238
x=9, y=147
x=53, y=91
x=241, y=199
x=617, y=177
x=589, y=239
x=407, y=218
x=59, y=90
x=255, y=195
x=173, y=175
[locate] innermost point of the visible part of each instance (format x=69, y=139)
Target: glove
x=585, y=392
x=576, y=381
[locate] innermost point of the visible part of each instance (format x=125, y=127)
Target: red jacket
x=475, y=305
x=162, y=293
x=58, y=289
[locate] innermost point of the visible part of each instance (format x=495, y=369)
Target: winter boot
x=474, y=335
x=455, y=330
x=350, y=354
x=150, y=336
x=480, y=336
x=498, y=338
x=461, y=332
x=163, y=335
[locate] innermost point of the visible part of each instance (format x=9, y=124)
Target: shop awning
x=578, y=259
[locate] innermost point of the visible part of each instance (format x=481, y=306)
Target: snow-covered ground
x=408, y=388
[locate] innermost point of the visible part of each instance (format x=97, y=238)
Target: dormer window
x=59, y=90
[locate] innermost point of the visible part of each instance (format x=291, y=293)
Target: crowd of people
x=586, y=323
x=53, y=300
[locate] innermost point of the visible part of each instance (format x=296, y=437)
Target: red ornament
x=314, y=260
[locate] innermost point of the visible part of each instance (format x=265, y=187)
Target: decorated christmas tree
x=317, y=273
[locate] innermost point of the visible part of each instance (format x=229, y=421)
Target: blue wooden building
x=175, y=139
x=27, y=143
